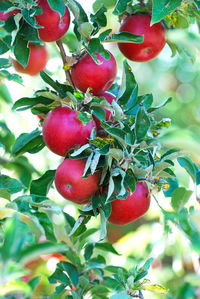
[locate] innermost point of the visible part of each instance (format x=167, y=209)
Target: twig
x=64, y=56
x=142, y=3
x=140, y=295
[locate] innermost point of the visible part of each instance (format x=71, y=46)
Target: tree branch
x=64, y=56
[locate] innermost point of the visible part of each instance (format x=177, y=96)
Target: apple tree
x=113, y=163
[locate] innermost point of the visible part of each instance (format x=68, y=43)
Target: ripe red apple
x=154, y=38
x=54, y=25
x=99, y=77
x=133, y=207
x=37, y=60
x=5, y=16
x=62, y=130
x=71, y=185
x=109, y=98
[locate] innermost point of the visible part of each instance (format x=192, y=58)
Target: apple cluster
x=53, y=28
x=62, y=128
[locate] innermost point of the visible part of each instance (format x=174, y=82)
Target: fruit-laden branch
x=63, y=55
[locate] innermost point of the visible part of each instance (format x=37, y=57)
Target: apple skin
x=99, y=77
x=71, y=185
x=154, y=38
x=54, y=25
x=37, y=60
x=4, y=17
x=133, y=207
x=62, y=130
x=109, y=98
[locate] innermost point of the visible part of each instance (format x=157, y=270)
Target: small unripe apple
x=37, y=60
x=71, y=185
x=133, y=207
x=99, y=77
x=154, y=38
x=62, y=130
x=54, y=26
x=109, y=98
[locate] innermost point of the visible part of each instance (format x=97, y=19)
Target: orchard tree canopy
x=95, y=202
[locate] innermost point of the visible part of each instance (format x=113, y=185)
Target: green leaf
x=78, y=12
x=156, y=288
x=95, y=46
x=57, y=5
x=15, y=237
x=142, y=124
x=180, y=197
x=71, y=271
x=34, y=282
x=5, y=94
x=147, y=265
x=4, y=193
x=197, y=3
x=120, y=7
x=3, y=47
x=28, y=142
x=42, y=185
x=160, y=106
x=28, y=15
x=62, y=89
x=108, y=4
x=27, y=103
x=103, y=230
x=21, y=51
x=84, y=117
x=99, y=112
x=121, y=37
x=186, y=163
x=35, y=250
x=88, y=251
x=162, y=8
x=9, y=184
x=99, y=18
x=126, y=96
x=59, y=276
x=106, y=247
x=4, y=63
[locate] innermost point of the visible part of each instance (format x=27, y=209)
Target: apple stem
x=64, y=56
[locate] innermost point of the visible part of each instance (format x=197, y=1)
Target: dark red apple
x=99, y=77
x=71, y=185
x=109, y=98
x=37, y=60
x=62, y=130
x=54, y=25
x=133, y=207
x=5, y=16
x=154, y=38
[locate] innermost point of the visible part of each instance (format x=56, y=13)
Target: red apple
x=37, y=60
x=154, y=38
x=133, y=207
x=109, y=98
x=54, y=25
x=71, y=185
x=5, y=16
x=99, y=77
x=62, y=130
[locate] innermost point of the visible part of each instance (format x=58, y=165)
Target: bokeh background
x=176, y=266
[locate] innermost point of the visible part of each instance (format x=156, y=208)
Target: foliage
x=132, y=151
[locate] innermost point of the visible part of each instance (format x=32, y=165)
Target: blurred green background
x=176, y=265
